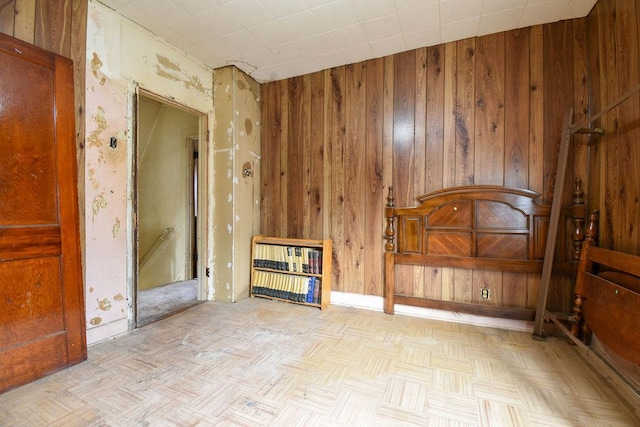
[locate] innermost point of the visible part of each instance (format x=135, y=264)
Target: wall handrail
x=160, y=241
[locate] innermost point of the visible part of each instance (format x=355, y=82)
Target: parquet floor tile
x=265, y=363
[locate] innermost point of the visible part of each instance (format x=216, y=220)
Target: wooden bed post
x=389, y=248
x=578, y=217
x=578, y=328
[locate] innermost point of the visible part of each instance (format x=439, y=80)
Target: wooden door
x=42, y=326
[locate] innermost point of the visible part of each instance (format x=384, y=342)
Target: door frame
x=202, y=241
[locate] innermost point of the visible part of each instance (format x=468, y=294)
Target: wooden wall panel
x=7, y=16
x=374, y=178
x=516, y=102
x=404, y=155
x=403, y=127
x=337, y=129
x=465, y=112
x=60, y=27
x=298, y=145
x=355, y=150
x=484, y=110
x=596, y=97
x=270, y=176
x=628, y=188
x=614, y=181
x=489, y=159
x=53, y=26
x=317, y=158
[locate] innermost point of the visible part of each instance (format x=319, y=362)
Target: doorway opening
x=167, y=237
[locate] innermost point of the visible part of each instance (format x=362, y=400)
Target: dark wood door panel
x=28, y=170
x=34, y=359
x=30, y=300
x=42, y=321
x=29, y=242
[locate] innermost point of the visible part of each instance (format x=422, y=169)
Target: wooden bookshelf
x=297, y=271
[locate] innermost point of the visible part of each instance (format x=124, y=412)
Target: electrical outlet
x=484, y=293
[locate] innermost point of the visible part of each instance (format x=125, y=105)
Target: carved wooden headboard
x=474, y=227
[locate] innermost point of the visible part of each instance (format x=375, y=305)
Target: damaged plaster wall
x=236, y=140
x=120, y=57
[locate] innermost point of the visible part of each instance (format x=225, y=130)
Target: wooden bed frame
x=607, y=295
x=473, y=227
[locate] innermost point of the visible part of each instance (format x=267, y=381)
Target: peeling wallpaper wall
x=236, y=142
x=122, y=56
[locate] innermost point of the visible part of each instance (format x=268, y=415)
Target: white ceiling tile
x=300, y=25
x=381, y=28
x=282, y=8
x=300, y=67
x=388, y=46
x=335, y=15
x=133, y=13
x=310, y=35
x=242, y=41
x=218, y=21
x=270, y=35
x=539, y=13
x=262, y=58
x=366, y=10
x=417, y=19
x=288, y=52
x=459, y=30
x=218, y=52
x=499, y=21
x=115, y=4
x=188, y=29
x=459, y=10
x=402, y=5
x=357, y=53
x=328, y=60
x=492, y=6
x=578, y=8
x=248, y=13
x=421, y=38
x=317, y=45
x=348, y=36
x=160, y=9
x=317, y=3
x=191, y=7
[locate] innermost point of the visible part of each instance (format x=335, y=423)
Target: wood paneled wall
x=614, y=69
x=485, y=110
x=58, y=26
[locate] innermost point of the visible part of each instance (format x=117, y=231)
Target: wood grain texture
x=489, y=158
x=481, y=110
x=516, y=114
x=60, y=27
x=374, y=185
x=355, y=177
x=297, y=146
x=7, y=16
x=337, y=125
x=628, y=188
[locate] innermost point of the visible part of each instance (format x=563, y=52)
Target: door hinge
x=207, y=271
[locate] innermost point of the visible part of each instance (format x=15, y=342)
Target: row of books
x=287, y=286
x=288, y=258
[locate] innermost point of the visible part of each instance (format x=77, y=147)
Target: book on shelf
x=304, y=289
x=294, y=259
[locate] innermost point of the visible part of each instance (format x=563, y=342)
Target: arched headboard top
x=522, y=199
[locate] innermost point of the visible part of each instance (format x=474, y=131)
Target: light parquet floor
x=266, y=363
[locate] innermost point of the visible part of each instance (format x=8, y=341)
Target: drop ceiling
x=275, y=39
